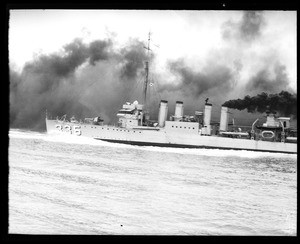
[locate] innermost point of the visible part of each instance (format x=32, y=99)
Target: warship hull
x=169, y=136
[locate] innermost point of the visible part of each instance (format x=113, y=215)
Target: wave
x=222, y=152
x=19, y=133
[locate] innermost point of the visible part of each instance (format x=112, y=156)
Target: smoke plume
x=283, y=103
x=195, y=83
x=248, y=29
x=262, y=81
x=82, y=80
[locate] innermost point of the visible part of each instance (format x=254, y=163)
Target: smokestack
x=207, y=114
x=178, y=111
x=162, y=114
x=206, y=130
x=224, y=119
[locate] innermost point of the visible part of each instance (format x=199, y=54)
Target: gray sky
x=191, y=35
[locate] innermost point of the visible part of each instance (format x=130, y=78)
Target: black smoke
x=99, y=50
x=134, y=59
x=82, y=80
x=284, y=103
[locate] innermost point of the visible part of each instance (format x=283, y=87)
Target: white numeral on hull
x=69, y=129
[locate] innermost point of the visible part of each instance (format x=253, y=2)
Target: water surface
x=74, y=185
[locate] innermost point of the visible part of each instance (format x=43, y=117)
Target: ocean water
x=75, y=185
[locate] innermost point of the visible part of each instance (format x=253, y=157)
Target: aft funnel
x=224, y=119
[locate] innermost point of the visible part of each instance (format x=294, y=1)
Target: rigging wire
x=156, y=91
x=128, y=95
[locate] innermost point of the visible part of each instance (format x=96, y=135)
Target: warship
x=179, y=130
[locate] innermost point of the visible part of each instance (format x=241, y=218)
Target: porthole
x=180, y=126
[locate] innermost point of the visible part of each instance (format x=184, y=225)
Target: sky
x=176, y=32
x=188, y=34
x=195, y=53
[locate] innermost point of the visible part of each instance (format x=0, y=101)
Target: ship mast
x=147, y=71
